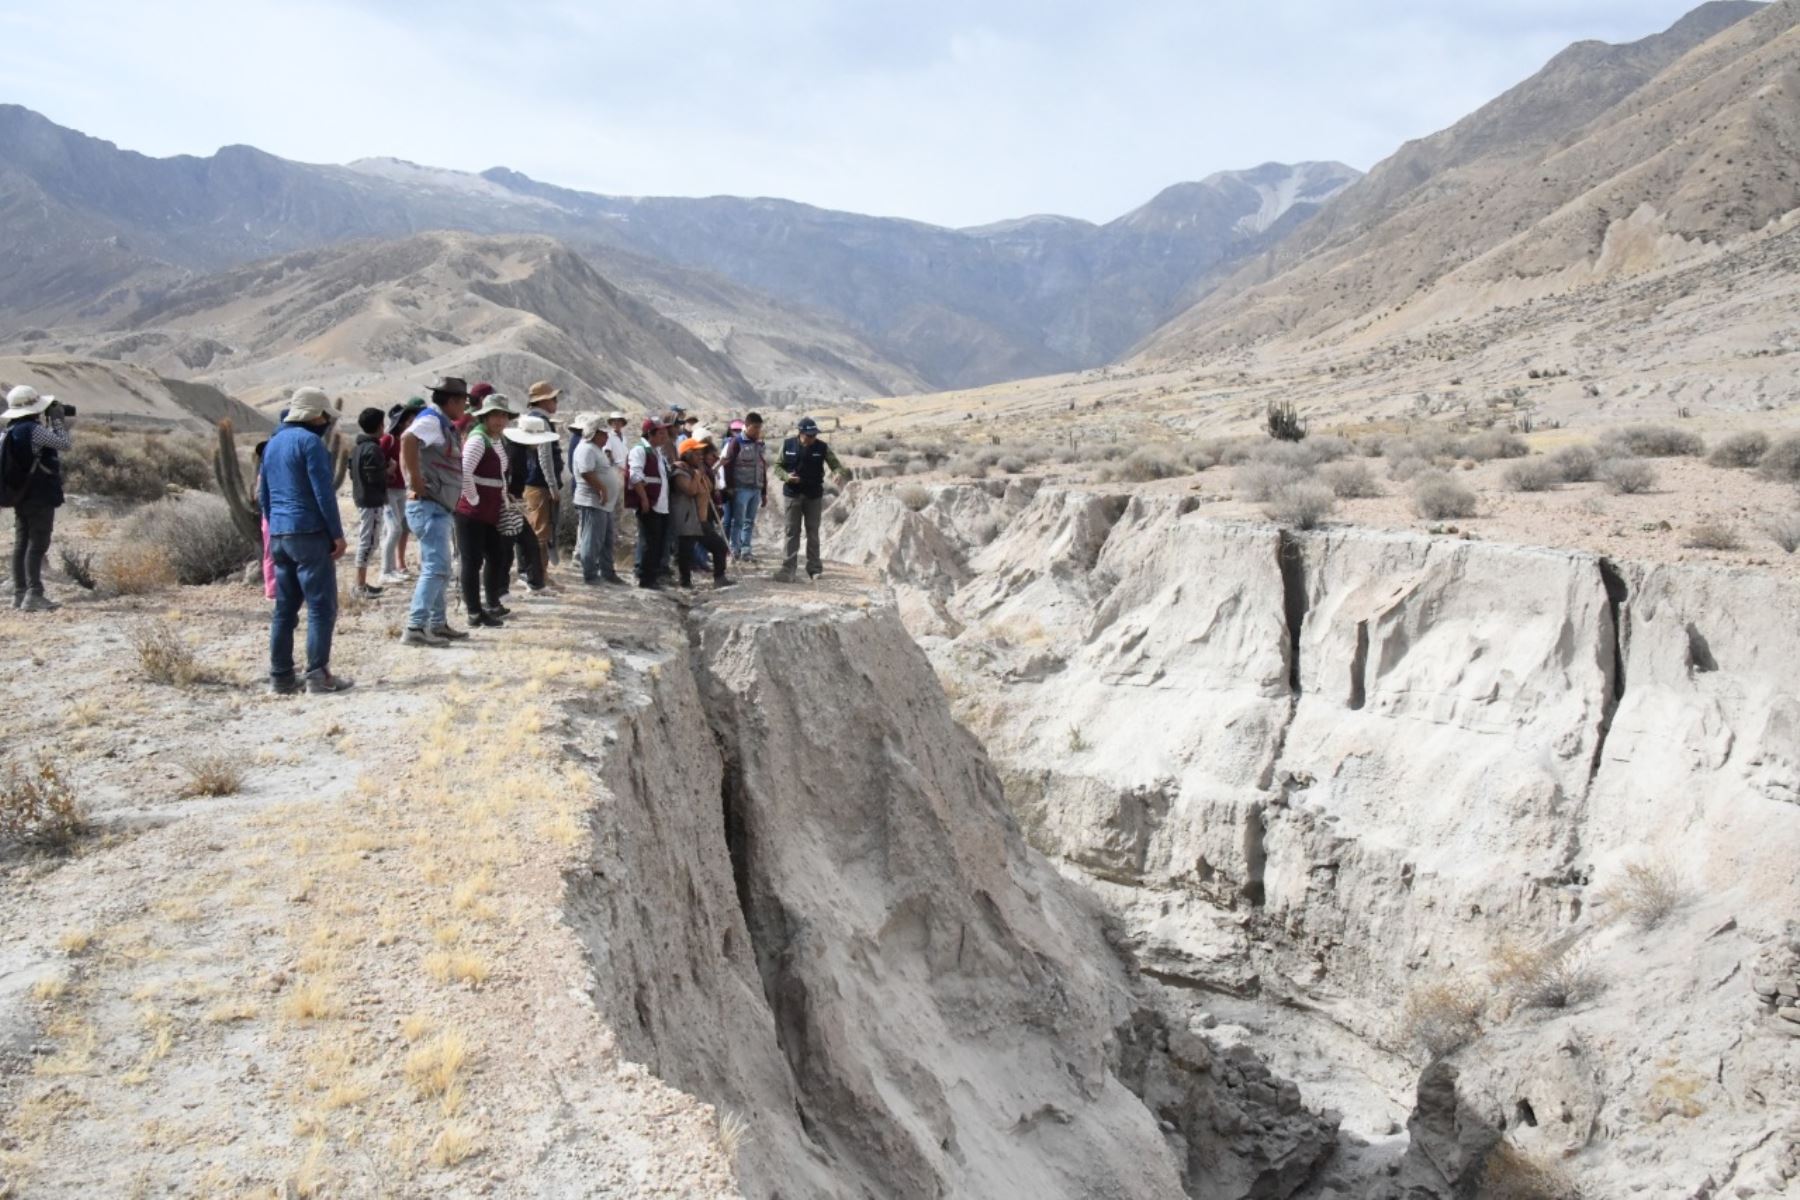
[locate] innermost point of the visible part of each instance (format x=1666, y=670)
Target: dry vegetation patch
x=38, y=807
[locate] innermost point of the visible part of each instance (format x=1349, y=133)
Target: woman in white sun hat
x=31, y=484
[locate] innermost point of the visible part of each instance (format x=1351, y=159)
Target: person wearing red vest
x=647, y=493
x=486, y=556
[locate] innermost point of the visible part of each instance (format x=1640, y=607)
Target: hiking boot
x=613, y=577
x=484, y=620
x=497, y=609
x=38, y=602
x=421, y=637
x=650, y=585
x=18, y=599
x=325, y=683
x=724, y=582
x=785, y=575
x=283, y=685
x=449, y=634
x=365, y=591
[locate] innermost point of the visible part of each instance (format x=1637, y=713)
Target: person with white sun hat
x=31, y=484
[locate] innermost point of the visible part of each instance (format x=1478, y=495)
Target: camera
x=68, y=410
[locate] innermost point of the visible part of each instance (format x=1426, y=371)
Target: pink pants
x=268, y=564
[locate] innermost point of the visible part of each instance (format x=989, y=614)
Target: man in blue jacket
x=306, y=538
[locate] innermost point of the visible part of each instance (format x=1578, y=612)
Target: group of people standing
x=479, y=485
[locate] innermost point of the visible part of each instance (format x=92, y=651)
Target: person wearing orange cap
x=693, y=515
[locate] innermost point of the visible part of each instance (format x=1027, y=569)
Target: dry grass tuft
x=914, y=497
x=1543, y=975
x=1647, y=893
x=135, y=569
x=38, y=807
x=436, y=1066
x=78, y=565
x=1712, y=535
x=51, y=988
x=415, y=1026
x=310, y=1001
x=1675, y=1093
x=1784, y=531
x=75, y=941
x=213, y=775
x=230, y=1011
x=734, y=1131
x=454, y=1144
x=1442, y=1017
x=446, y=966
x=165, y=657
x=1438, y=497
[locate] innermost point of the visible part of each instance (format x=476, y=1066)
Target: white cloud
x=958, y=113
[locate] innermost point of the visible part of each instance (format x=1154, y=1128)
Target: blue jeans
x=304, y=573
x=432, y=524
x=745, y=502
x=593, y=542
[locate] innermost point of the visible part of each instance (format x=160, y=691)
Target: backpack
x=18, y=462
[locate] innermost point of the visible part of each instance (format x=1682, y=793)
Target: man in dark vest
x=801, y=469
x=647, y=492
x=33, y=444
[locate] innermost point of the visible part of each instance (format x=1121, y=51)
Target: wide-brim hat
x=493, y=402
x=26, y=402
x=585, y=422
x=398, y=414
x=532, y=430
x=542, y=391
x=616, y=416
x=450, y=385
x=307, y=404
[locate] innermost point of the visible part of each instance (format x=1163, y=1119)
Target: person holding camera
x=36, y=437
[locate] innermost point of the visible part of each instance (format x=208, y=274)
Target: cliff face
x=808, y=891
x=1328, y=770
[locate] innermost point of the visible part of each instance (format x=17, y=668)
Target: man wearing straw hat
x=298, y=494
x=35, y=441
x=541, y=469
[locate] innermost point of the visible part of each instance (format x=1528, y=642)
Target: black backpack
x=18, y=461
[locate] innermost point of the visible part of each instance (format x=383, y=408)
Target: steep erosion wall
x=1330, y=765
x=808, y=905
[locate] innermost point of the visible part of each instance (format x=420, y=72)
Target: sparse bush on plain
x=1260, y=481
x=1303, y=504
x=1784, y=531
x=1492, y=444
x=1628, y=476
x=1712, y=535
x=212, y=775
x=194, y=533
x=1576, y=464
x=1534, y=475
x=38, y=807
x=918, y=466
x=1405, y=470
x=1431, y=447
x=1646, y=893
x=1350, y=480
x=1012, y=464
x=135, y=569
x=1740, y=449
x=1547, y=975
x=916, y=498
x=165, y=657
x=1782, y=461
x=967, y=466
x=1656, y=441
x=1143, y=466
x=1438, y=497
x=137, y=467
x=1442, y=1017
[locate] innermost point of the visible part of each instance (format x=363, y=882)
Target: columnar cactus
x=245, y=514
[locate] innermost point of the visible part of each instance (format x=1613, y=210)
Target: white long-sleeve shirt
x=635, y=465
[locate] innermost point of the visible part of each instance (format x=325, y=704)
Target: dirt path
x=351, y=977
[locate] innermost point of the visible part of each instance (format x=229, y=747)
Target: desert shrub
x=916, y=498
x=1205, y=455
x=135, y=569
x=1430, y=447
x=1404, y=470
x=1782, y=461
x=195, y=534
x=1485, y=447
x=1547, y=975
x=1647, y=893
x=1442, y=1017
x=78, y=565
x=141, y=467
x=1712, y=535
x=213, y=775
x=967, y=467
x=1285, y=422
x=1012, y=464
x=1260, y=481
x=1238, y=451
x=1534, y=475
x=918, y=466
x=1740, y=449
x=1326, y=448
x=1784, y=531
x=1438, y=497
x=165, y=657
x=1656, y=441
x=1628, y=476
x=1350, y=480
x=1576, y=464
x=37, y=806
x=1142, y=466
x=1512, y=1174
x=1303, y=504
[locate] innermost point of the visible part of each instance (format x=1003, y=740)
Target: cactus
x=245, y=513
x=340, y=449
x=1285, y=422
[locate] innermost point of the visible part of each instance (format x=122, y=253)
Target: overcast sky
x=954, y=111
